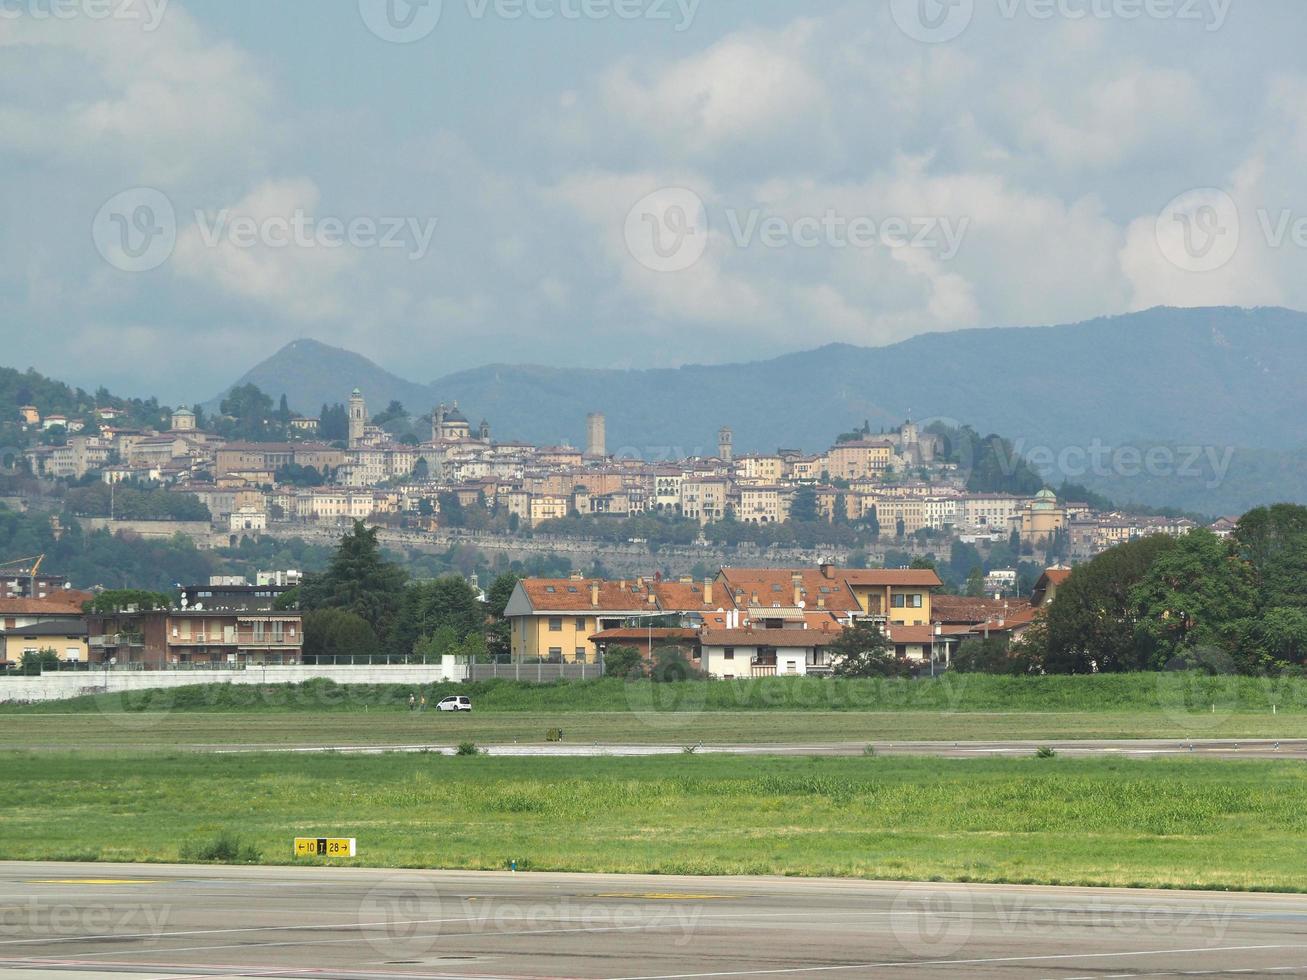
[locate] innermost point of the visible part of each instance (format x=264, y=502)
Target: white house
x=733, y=653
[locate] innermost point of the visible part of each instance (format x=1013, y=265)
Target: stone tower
x=596, y=435
x=358, y=418
x=726, y=445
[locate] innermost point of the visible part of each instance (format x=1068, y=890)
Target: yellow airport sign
x=324, y=846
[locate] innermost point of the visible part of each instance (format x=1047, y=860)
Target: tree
x=1091, y=622
x=439, y=644
x=982, y=656
x=333, y=423
x=872, y=522
x=338, y=633
x=249, y=412
x=976, y=584
x=358, y=580
x=115, y=601
x=452, y=513
x=428, y=606
x=841, y=515
x=900, y=528
x=499, y=637
x=1273, y=540
x=35, y=662
x=670, y=664
x=863, y=650
x=625, y=662
x=1191, y=596
x=803, y=508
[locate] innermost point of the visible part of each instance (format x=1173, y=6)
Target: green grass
x=952, y=692
x=1168, y=823
x=774, y=710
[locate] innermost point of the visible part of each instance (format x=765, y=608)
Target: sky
x=187, y=185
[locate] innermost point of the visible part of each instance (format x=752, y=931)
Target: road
x=68, y=921
x=1199, y=748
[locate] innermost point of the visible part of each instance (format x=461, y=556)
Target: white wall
x=54, y=686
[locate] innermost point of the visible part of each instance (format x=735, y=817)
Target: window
x=556, y=652
x=555, y=624
x=899, y=601
x=550, y=589
x=580, y=655
x=580, y=623
x=728, y=653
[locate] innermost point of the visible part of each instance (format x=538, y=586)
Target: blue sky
x=691, y=182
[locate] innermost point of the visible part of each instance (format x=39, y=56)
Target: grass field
x=1181, y=823
x=954, y=692
x=770, y=711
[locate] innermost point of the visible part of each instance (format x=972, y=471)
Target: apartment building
x=859, y=460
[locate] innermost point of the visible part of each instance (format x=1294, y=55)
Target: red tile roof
x=968, y=609
x=882, y=577
x=777, y=585
x=62, y=602
x=571, y=595
x=688, y=597
x=770, y=638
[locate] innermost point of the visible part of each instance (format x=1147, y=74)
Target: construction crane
x=30, y=575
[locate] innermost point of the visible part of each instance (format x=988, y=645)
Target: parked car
x=458, y=702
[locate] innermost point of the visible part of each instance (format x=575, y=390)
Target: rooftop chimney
x=827, y=570
x=797, y=580
x=707, y=592
x=594, y=594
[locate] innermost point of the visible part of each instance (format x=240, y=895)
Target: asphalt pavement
x=67, y=921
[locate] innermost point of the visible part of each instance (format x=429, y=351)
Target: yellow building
x=66, y=637
x=553, y=619
x=859, y=460
x=901, y=595
x=1041, y=519
x=761, y=469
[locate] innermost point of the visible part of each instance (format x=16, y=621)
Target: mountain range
x=1221, y=380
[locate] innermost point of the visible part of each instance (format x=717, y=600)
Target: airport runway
x=68, y=921
x=1208, y=749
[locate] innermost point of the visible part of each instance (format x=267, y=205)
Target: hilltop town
x=279, y=473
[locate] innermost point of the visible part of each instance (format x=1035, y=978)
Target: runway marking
x=91, y=881
x=663, y=896
x=973, y=962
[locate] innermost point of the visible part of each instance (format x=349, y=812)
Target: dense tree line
x=364, y=604
x=1196, y=601
x=135, y=503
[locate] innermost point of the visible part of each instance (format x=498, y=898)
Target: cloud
x=300, y=280
x=166, y=106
